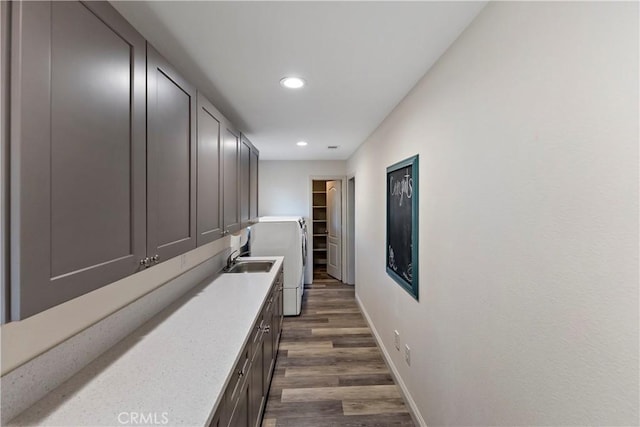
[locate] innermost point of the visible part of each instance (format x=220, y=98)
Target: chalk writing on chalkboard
x=402, y=224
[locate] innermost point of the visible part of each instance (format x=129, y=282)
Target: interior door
x=334, y=229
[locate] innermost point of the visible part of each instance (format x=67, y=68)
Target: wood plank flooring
x=329, y=371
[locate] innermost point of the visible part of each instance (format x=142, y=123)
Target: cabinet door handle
x=240, y=373
x=155, y=258
x=145, y=262
x=267, y=329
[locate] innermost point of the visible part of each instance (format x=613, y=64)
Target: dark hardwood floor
x=329, y=371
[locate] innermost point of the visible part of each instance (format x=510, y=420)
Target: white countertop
x=173, y=369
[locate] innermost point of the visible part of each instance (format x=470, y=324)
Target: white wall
x=527, y=131
x=285, y=185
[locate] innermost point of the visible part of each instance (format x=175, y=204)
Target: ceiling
x=359, y=60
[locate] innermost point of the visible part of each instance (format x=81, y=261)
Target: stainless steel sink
x=250, y=267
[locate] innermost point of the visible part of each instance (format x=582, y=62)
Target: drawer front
x=238, y=377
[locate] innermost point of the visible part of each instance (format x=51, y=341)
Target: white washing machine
x=284, y=236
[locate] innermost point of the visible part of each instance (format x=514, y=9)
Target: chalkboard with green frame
x=402, y=224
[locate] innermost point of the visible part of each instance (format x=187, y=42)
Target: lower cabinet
x=245, y=397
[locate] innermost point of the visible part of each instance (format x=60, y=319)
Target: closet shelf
x=319, y=211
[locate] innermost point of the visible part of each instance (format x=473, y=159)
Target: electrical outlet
x=407, y=354
x=396, y=339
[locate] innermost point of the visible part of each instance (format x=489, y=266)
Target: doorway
x=327, y=228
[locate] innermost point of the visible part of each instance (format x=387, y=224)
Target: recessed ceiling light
x=301, y=143
x=292, y=82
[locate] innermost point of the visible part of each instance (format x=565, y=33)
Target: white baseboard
x=413, y=408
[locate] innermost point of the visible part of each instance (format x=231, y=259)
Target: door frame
x=343, y=240
x=350, y=249
x=5, y=87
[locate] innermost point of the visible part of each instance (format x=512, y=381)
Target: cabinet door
x=256, y=388
x=231, y=139
x=253, y=185
x=218, y=418
x=77, y=151
x=209, y=192
x=171, y=160
x=276, y=321
x=268, y=360
x=240, y=414
x=279, y=309
x=245, y=159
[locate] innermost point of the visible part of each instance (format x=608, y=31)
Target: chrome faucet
x=231, y=260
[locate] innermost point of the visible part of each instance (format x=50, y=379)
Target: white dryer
x=284, y=236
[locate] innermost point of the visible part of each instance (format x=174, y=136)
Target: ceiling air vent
x=332, y=147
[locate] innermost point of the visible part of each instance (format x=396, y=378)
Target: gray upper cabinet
x=77, y=151
x=249, y=156
x=171, y=160
x=231, y=148
x=253, y=184
x=209, y=189
x=245, y=159
x=115, y=163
